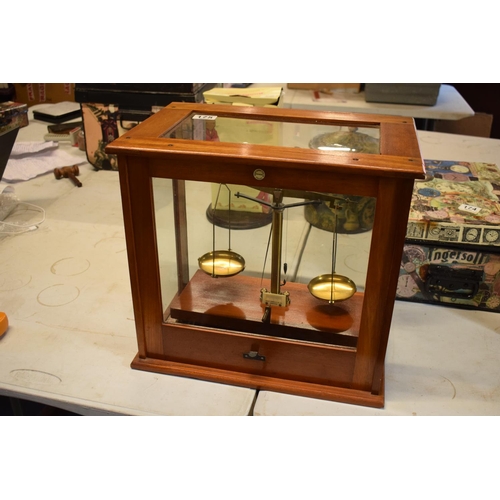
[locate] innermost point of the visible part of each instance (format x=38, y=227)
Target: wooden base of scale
x=213, y=331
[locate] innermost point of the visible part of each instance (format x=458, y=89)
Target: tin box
x=452, y=250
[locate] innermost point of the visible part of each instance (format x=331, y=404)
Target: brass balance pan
x=221, y=263
x=334, y=289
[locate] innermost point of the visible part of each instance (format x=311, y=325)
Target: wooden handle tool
x=68, y=172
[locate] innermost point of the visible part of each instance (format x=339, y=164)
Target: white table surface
x=65, y=289
x=450, y=104
x=440, y=360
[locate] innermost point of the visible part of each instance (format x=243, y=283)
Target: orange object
x=4, y=323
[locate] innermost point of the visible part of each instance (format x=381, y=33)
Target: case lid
x=280, y=139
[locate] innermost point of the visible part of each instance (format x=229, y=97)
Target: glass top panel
x=243, y=130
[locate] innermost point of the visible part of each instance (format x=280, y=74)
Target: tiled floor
x=21, y=407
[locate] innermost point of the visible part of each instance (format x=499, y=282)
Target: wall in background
x=483, y=98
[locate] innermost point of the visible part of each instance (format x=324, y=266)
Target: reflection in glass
x=272, y=133
x=304, y=273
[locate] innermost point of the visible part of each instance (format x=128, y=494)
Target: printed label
x=448, y=256
x=469, y=208
x=204, y=117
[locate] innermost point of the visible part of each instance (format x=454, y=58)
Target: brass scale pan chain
x=221, y=263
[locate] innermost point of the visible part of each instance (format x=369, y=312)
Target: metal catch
x=254, y=355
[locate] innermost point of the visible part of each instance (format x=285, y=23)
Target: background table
x=450, y=104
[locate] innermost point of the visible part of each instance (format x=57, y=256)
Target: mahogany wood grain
x=234, y=304
x=280, y=157
x=401, y=192
x=288, y=359
x=174, y=113
x=261, y=382
x=142, y=251
x=212, y=170
x=181, y=238
x=132, y=253
x=388, y=233
x=400, y=139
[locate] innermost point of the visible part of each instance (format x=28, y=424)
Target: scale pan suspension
x=221, y=263
x=332, y=287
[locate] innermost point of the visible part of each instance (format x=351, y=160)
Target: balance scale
x=212, y=314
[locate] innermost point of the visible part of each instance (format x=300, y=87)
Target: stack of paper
x=253, y=96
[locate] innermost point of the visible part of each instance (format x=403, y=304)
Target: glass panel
x=165, y=234
x=353, y=216
x=289, y=134
x=251, y=268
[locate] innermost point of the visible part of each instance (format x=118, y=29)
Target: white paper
x=58, y=109
x=24, y=148
x=29, y=165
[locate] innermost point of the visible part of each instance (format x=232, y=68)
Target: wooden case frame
x=217, y=353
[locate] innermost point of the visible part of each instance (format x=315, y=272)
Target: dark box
x=110, y=109
x=13, y=116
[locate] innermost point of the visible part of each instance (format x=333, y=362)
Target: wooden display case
x=221, y=314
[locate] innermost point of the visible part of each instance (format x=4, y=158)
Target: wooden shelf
x=233, y=304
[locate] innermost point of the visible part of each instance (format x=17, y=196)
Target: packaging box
x=110, y=109
x=452, y=251
x=36, y=93
x=478, y=125
x=424, y=94
x=349, y=87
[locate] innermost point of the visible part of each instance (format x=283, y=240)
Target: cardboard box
x=351, y=87
x=452, y=251
x=478, y=125
x=36, y=93
x=423, y=94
